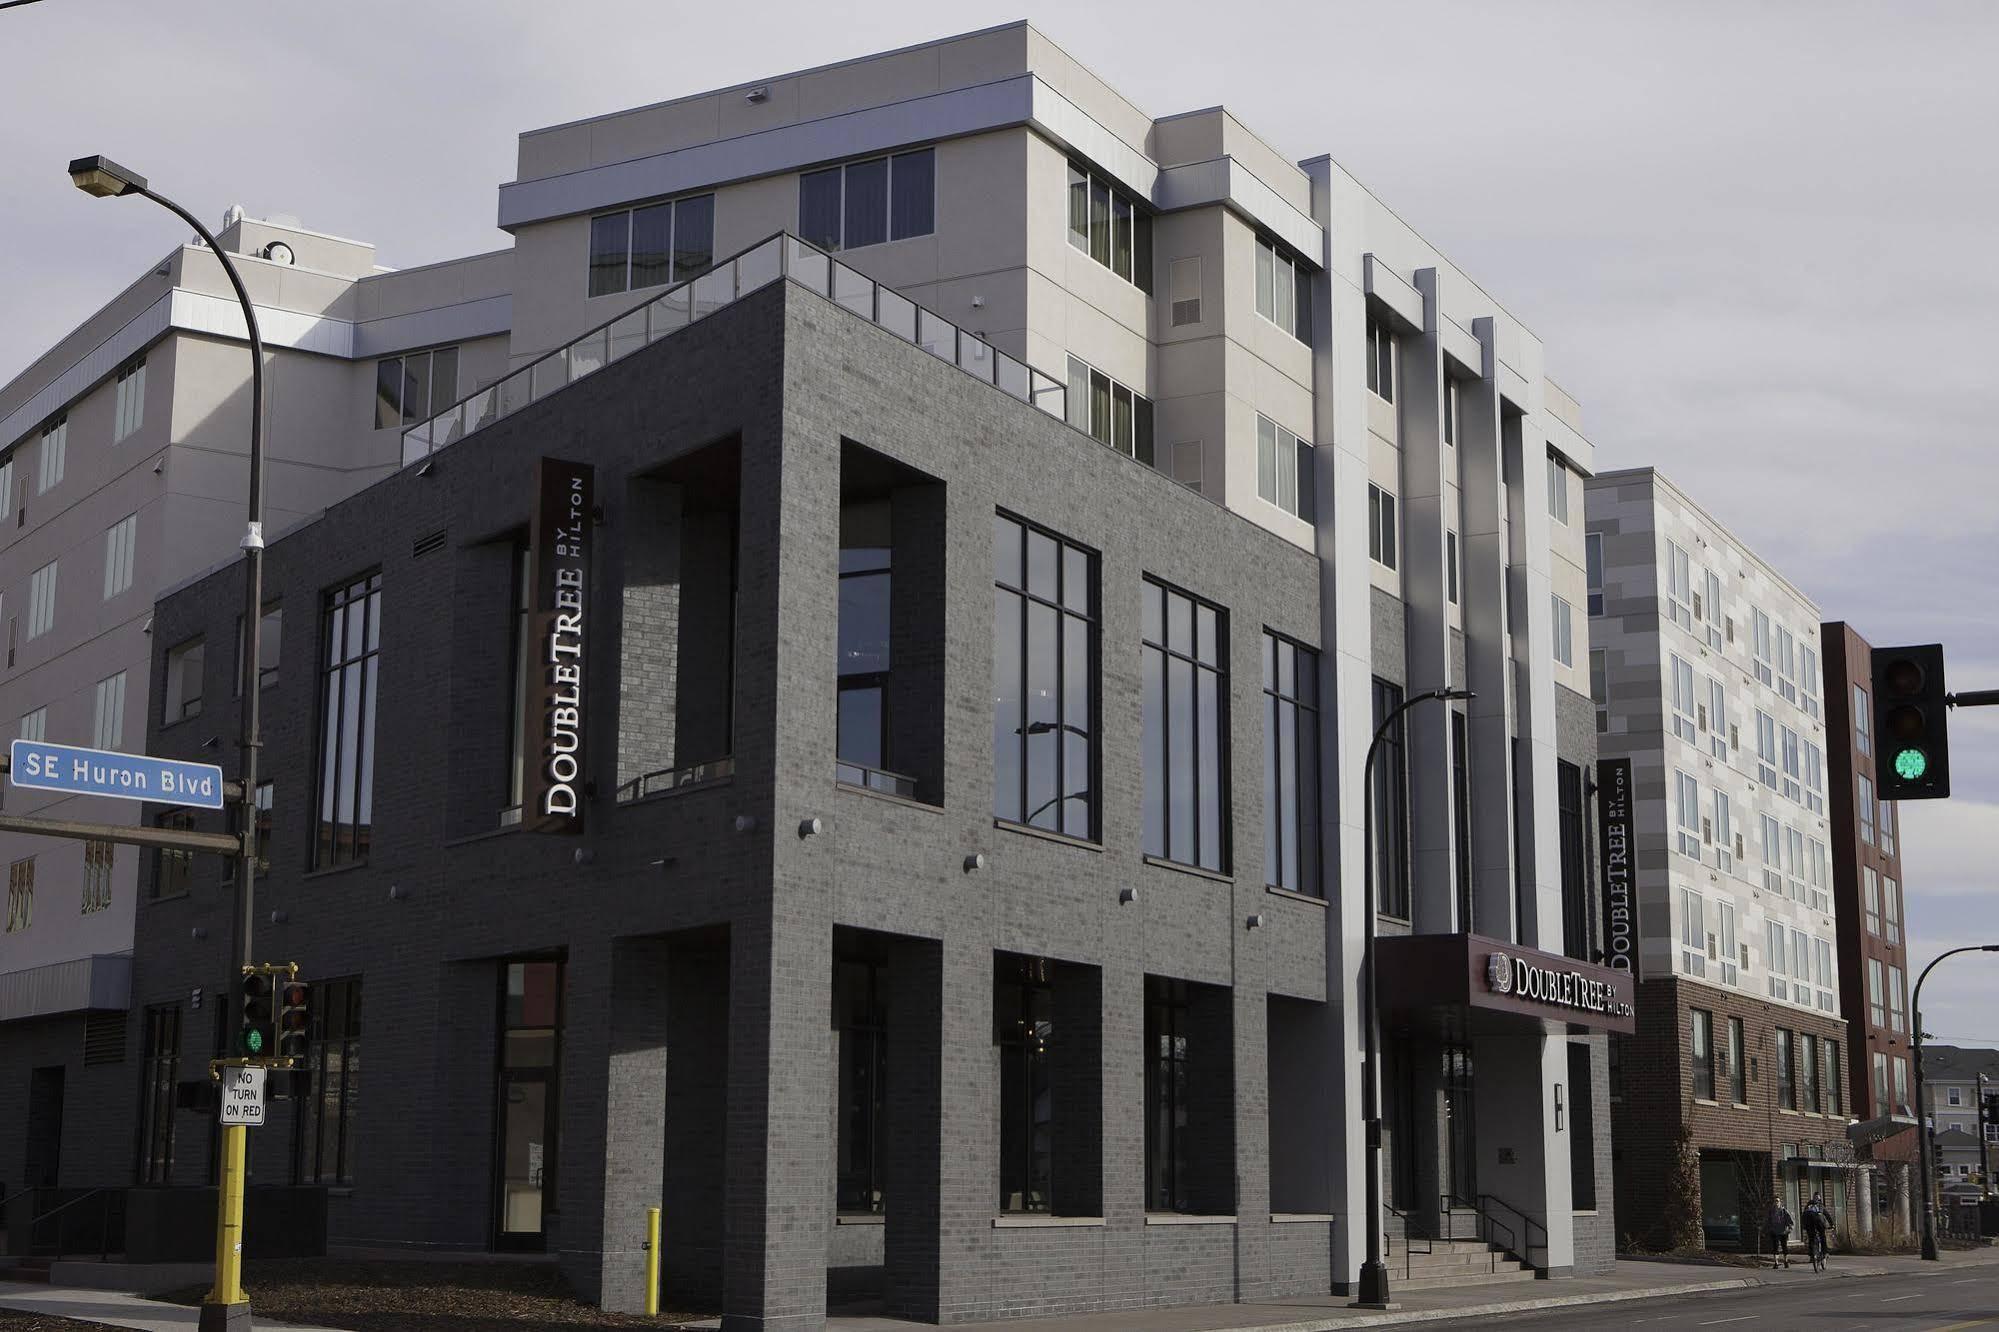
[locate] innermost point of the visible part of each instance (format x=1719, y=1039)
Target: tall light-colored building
x=124, y=473
x=1706, y=671
x=1268, y=333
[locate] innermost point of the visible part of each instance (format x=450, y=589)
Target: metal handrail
x=1409, y=1251
x=105, y=1195
x=1445, y=1206
x=779, y=257
x=1528, y=1225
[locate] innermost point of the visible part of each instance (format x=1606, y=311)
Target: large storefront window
x=156, y=1095
x=323, y=1141
x=1290, y=765
x=530, y=1055
x=1044, y=680
x=1184, y=754
x=351, y=643
x=860, y=1011
x=1024, y=1010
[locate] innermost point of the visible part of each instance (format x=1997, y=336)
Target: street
x=1933, y=1303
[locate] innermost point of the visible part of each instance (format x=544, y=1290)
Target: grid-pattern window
x=131, y=413
x=1593, y=571
x=865, y=669
x=1283, y=290
x=1685, y=715
x=1109, y=412
x=1898, y=1005
x=1801, y=968
x=20, y=895
x=1391, y=805
x=1808, y=1070
x=1787, y=665
x=415, y=386
x=119, y=541
x=1762, y=646
x=1776, y=959
x=1687, y=811
x=1902, y=1105
x=1787, y=1084
x=1866, y=806
x=1795, y=861
x=156, y=1102
x=1290, y=765
x=1024, y=1024
x=1283, y=468
x=1793, y=765
x=1738, y=1073
x=1381, y=362
x=1891, y=909
x=1717, y=718
x=186, y=668
x=1870, y=898
x=1565, y=632
x=1886, y=810
x=1045, y=671
x=1723, y=831
x=1558, y=490
x=1863, y=723
x=351, y=642
x=1814, y=778
x=1773, y=854
x=1835, y=1079
x=655, y=244
x=1877, y=1000
x=35, y=725
x=1381, y=544
x=173, y=870
x=1808, y=680
x=1679, y=587
x=1766, y=749
x=1185, y=760
x=7, y=485
x=1599, y=687
x=1715, y=619
x=1167, y=1141
x=323, y=1136
x=1693, y=933
x=1701, y=1052
x=42, y=601
x=882, y=199
x=98, y=859
x=108, y=730
x=54, y=455
x=1107, y=224
x=1822, y=973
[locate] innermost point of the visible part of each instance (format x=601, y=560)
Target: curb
x=1493, y=1310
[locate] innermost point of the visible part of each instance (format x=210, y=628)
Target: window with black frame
x=351, y=642
x=1184, y=753
x=1461, y=817
x=861, y=745
x=1290, y=765
x=860, y=1014
x=1576, y=934
x=1787, y=1085
x=652, y=245
x=1391, y=806
x=1044, y=680
x=173, y=869
x=156, y=1095
x=1166, y=1100
x=1701, y=1053
x=868, y=202
x=323, y=1135
x=1024, y=1022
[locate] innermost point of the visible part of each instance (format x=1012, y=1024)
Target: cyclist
x=1815, y=1223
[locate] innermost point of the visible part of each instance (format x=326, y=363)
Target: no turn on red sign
x=243, y=1096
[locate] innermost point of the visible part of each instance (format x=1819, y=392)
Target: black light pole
x=1374, y=1271
x=227, y=1305
x=1925, y=1161
x=1984, y=1144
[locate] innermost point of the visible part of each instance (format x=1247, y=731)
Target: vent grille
x=103, y=1038
x=424, y=545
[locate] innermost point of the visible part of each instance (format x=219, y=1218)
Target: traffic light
x=294, y=1018
x=1911, y=729
x=258, y=1038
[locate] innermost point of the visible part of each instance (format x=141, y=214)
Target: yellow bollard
x=229, y=1219
x=652, y=1262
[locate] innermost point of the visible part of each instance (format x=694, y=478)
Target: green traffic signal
x=254, y=1040
x=1911, y=764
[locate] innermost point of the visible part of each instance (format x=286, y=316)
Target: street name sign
x=243, y=1096
x=39, y=766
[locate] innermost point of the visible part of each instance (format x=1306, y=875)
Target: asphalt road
x=1847, y=1304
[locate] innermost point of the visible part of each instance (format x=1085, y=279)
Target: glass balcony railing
x=781, y=257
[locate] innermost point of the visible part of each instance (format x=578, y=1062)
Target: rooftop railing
x=780, y=257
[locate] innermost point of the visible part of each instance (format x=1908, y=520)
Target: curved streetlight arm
x=1925, y=1166
x=1374, y=1271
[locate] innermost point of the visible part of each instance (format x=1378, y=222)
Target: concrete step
x=1442, y=1263
x=1512, y=1272
x=32, y=1271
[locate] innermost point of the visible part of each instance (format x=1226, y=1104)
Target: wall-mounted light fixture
x=811, y=827
x=975, y=862
x=1126, y=896
x=746, y=823
x=280, y=916
x=1256, y=921
x=398, y=893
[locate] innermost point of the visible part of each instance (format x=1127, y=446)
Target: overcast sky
x=1757, y=239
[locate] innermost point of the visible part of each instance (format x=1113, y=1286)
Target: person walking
x=1816, y=1223
x=1778, y=1224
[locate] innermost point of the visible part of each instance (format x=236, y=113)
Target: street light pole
x=1925, y=1162
x=1374, y=1271
x=226, y=1305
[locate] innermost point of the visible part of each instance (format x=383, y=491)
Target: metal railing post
x=652, y=1262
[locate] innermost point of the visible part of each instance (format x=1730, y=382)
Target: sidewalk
x=1633, y=1279
x=116, y=1308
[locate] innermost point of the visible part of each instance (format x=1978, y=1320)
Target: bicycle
x=1815, y=1246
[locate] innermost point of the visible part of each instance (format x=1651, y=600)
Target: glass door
x=1458, y=1112
x=525, y=1117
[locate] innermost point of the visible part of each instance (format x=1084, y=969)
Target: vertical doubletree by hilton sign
x=1620, y=920
x=559, y=615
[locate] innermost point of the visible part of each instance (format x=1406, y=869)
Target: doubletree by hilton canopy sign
x=1502, y=980
x=558, y=632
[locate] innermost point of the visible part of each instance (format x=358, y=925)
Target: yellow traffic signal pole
x=652, y=1262
x=228, y=1291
